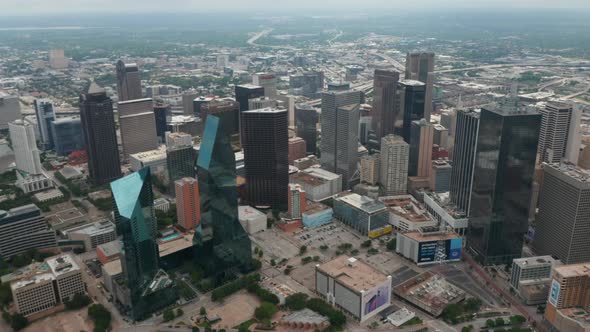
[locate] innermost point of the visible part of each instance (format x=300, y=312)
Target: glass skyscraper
x=410, y=100
x=149, y=288
x=222, y=245
x=502, y=183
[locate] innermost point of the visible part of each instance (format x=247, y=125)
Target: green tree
x=490, y=323
x=168, y=315
x=468, y=328
x=302, y=250
x=500, y=321
x=323, y=247
x=179, y=312
x=273, y=262
x=366, y=244
x=196, y=329
x=391, y=244
x=203, y=311
x=517, y=320
x=77, y=302
x=265, y=311
x=5, y=294
x=18, y=322
x=296, y=301
x=101, y=316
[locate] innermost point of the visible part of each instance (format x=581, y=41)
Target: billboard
x=427, y=250
x=554, y=292
x=377, y=298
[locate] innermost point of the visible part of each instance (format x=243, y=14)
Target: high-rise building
x=67, y=135
x=440, y=176
x=222, y=243
x=188, y=208
x=441, y=136
x=268, y=81
x=502, y=183
x=266, y=156
x=27, y=156
x=464, y=153
x=393, y=175
x=149, y=288
x=188, y=105
x=569, y=298
x=297, y=202
x=369, y=169
x=9, y=109
x=180, y=157
x=557, y=121
x=246, y=92
x=420, y=66
x=563, y=225
x=261, y=102
x=410, y=100
x=421, y=138
x=138, y=126
x=45, y=114
x=228, y=112
x=57, y=59
x=384, y=108
x=98, y=127
x=307, y=84
x=128, y=81
x=22, y=229
x=339, y=144
x=306, y=121
x=297, y=149
x=161, y=115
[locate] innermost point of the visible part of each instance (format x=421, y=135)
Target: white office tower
x=138, y=126
x=24, y=143
x=268, y=81
x=559, y=132
x=394, y=165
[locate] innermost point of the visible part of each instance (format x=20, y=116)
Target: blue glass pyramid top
x=126, y=191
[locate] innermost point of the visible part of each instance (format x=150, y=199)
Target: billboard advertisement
x=554, y=292
x=427, y=250
x=376, y=298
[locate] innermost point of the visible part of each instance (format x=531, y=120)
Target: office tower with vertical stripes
x=555, y=131
x=384, y=108
x=393, y=168
x=420, y=66
x=128, y=81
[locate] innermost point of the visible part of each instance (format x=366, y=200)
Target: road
x=398, y=66
x=510, y=65
x=252, y=41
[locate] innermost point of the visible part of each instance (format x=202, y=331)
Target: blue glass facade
x=317, y=219
x=67, y=135
x=361, y=213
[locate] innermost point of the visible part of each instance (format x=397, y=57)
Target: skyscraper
x=138, y=126
x=228, y=112
x=268, y=81
x=223, y=246
x=369, y=169
x=246, y=92
x=9, y=109
x=306, y=121
x=24, y=228
x=188, y=105
x=67, y=135
x=128, y=81
x=297, y=149
x=339, y=144
x=464, y=153
x=98, y=127
x=161, y=113
x=563, y=225
x=188, y=208
x=149, y=288
x=297, y=202
x=393, y=174
x=502, y=182
x=410, y=99
x=421, y=138
x=420, y=66
x=384, y=108
x=555, y=134
x=27, y=156
x=266, y=156
x=45, y=114
x=180, y=157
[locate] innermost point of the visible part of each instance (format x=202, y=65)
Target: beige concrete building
x=569, y=298
x=138, y=126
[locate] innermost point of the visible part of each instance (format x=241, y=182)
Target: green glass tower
x=222, y=245
x=150, y=289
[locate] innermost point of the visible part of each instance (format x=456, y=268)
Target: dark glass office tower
x=128, y=81
x=149, y=288
x=160, y=112
x=228, y=112
x=464, y=150
x=410, y=100
x=502, y=183
x=222, y=245
x=98, y=128
x=306, y=121
x=266, y=157
x=384, y=109
x=180, y=158
x=45, y=115
x=420, y=66
x=246, y=92
x=67, y=135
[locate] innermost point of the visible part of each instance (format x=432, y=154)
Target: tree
x=265, y=311
x=323, y=247
x=196, y=329
x=373, y=251
x=273, y=262
x=77, y=302
x=18, y=322
x=203, y=311
x=500, y=321
x=391, y=244
x=296, y=301
x=472, y=304
x=490, y=323
x=302, y=250
x=260, y=253
x=468, y=328
x=5, y=294
x=366, y=244
x=168, y=315
x=101, y=316
x=517, y=319
x=179, y=312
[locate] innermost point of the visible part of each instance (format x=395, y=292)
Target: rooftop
x=572, y=171
x=364, y=203
x=431, y=290
x=434, y=236
x=152, y=155
x=52, y=268
x=535, y=261
x=411, y=82
x=134, y=101
x=305, y=316
x=99, y=227
x=178, y=244
x=309, y=179
x=315, y=207
x=443, y=200
x=111, y=248
x=405, y=206
x=248, y=213
x=573, y=270
x=321, y=173
x=113, y=268
x=266, y=110
x=353, y=273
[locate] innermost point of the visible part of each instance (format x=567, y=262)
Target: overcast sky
x=23, y=7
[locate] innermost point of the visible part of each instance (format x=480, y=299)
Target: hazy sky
x=23, y=7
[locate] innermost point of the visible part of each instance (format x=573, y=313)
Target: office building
x=180, y=157
x=406, y=214
x=307, y=84
x=150, y=289
x=188, y=98
x=318, y=183
x=420, y=67
x=57, y=59
x=38, y=288
x=558, y=131
x=262, y=102
x=22, y=229
x=268, y=81
x=339, y=145
x=306, y=121
x=185, y=124
x=384, y=108
x=67, y=135
x=161, y=112
x=228, y=112
x=502, y=183
x=110, y=251
x=94, y=234
x=441, y=136
x=246, y=92
x=252, y=220
x=297, y=149
x=297, y=202
x=138, y=126
x=370, y=169
x=266, y=156
x=353, y=286
x=446, y=213
x=420, y=159
x=222, y=243
x=440, y=176
x=45, y=115
x=569, y=298
x=98, y=127
x=128, y=81
x=563, y=225
x=156, y=160
x=9, y=109
x=188, y=205
x=531, y=278
x=307, y=162
x=26, y=154
x=338, y=86
x=393, y=171
x=365, y=215
x=429, y=245
x=316, y=215
x=410, y=96
x=464, y=153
